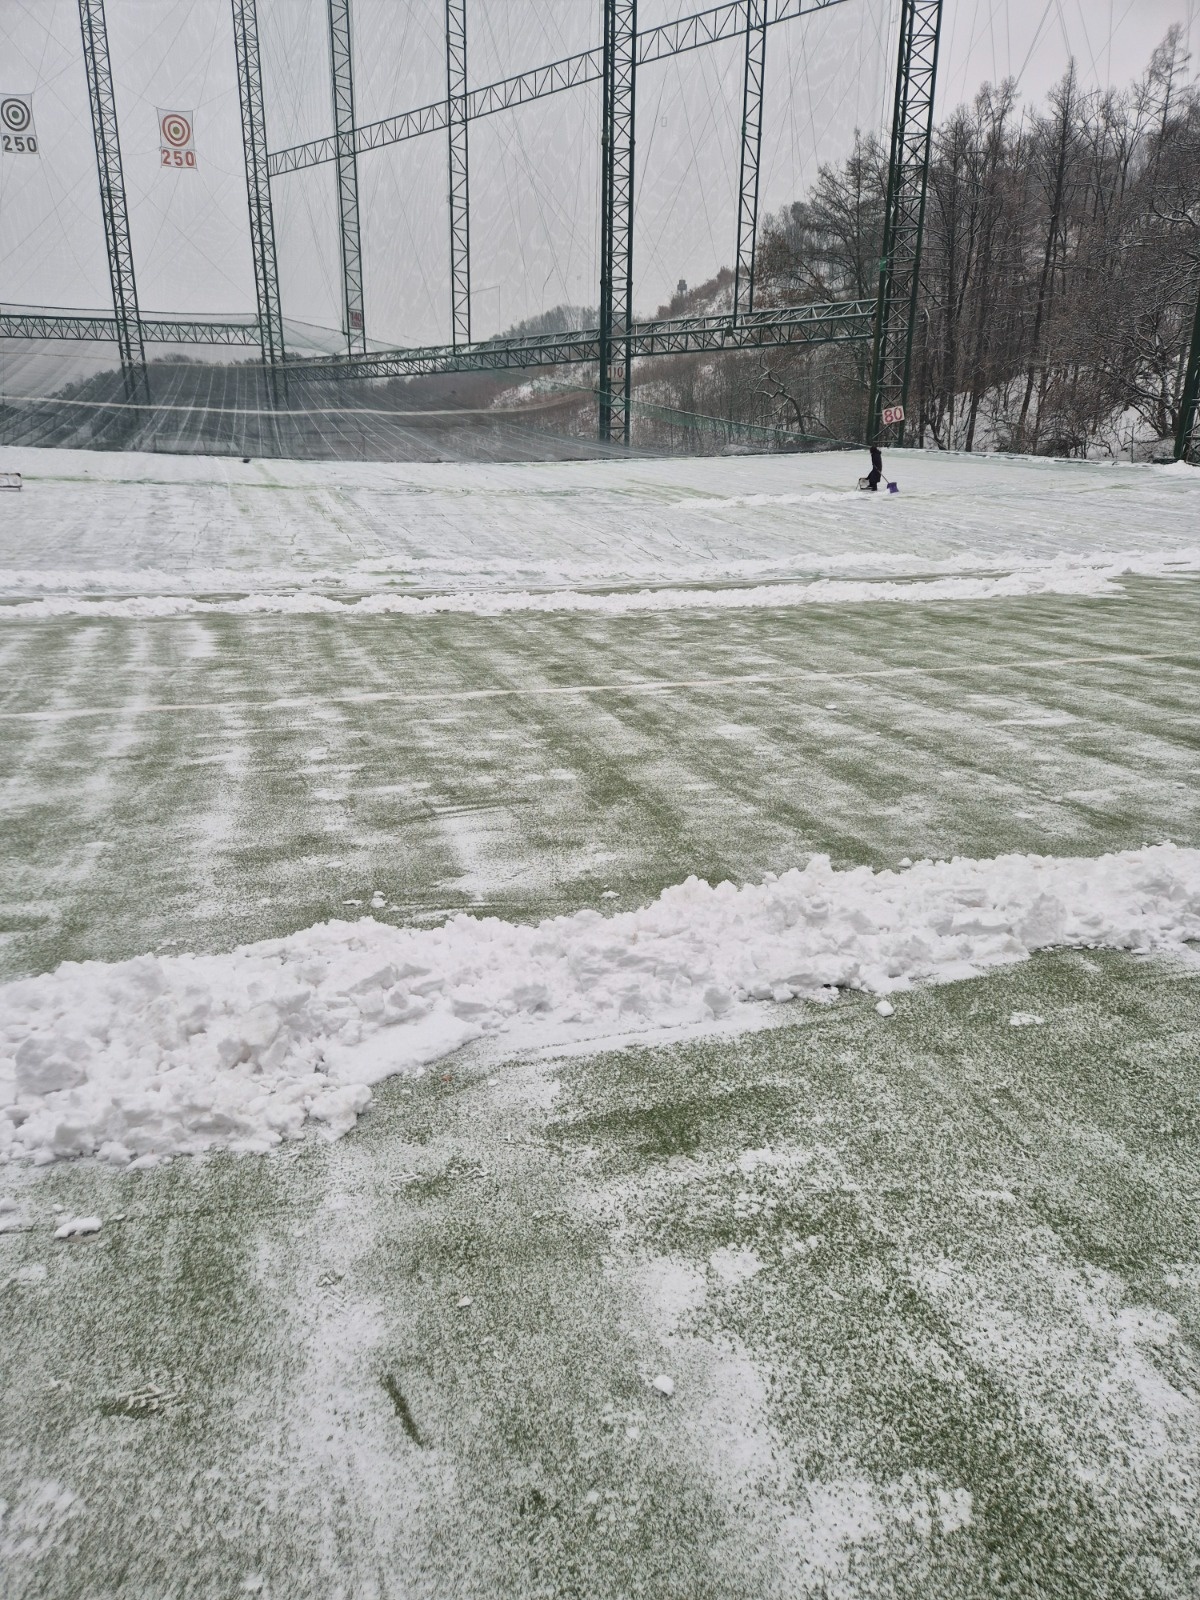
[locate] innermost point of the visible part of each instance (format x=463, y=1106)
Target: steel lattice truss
x=818, y=323
x=460, y=206
x=653, y=44
x=616, y=218
x=1189, y=409
x=161, y=330
x=752, y=107
x=341, y=61
x=125, y=321
x=258, y=188
x=904, y=223
x=832, y=323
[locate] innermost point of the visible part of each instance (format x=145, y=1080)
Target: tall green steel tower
x=904, y=220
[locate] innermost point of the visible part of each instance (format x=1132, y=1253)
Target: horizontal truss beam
x=653, y=44
x=834, y=323
x=52, y=325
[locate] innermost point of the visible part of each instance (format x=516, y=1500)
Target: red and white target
x=176, y=140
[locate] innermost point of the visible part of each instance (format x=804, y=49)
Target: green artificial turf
x=928, y=1286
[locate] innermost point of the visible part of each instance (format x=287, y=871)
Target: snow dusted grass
x=924, y=1286
x=202, y=783
x=927, y=1286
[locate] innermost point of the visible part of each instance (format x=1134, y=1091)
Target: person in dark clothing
x=875, y=477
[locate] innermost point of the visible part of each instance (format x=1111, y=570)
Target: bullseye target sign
x=17, y=134
x=175, y=139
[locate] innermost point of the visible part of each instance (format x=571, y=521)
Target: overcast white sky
x=1032, y=40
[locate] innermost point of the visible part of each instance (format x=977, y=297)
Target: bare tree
x=1059, y=281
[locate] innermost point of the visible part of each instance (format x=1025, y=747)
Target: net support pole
x=1189, y=406
x=258, y=193
x=342, y=64
x=616, y=219
x=112, y=201
x=460, y=208
x=752, y=102
x=904, y=217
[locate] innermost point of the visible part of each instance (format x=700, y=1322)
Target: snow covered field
x=142, y=525
x=921, y=1261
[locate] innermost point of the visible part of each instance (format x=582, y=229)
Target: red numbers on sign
x=178, y=158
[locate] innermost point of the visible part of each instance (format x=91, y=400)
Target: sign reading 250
x=176, y=146
x=17, y=135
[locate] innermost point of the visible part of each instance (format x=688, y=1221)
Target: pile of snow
x=1061, y=577
x=824, y=591
x=157, y=1056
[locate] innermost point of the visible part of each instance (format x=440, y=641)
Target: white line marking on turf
x=637, y=686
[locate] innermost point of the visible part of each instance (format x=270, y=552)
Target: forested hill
x=1062, y=253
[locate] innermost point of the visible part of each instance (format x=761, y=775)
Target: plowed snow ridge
x=1050, y=578
x=167, y=1055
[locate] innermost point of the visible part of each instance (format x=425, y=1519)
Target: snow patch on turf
x=167, y=1055
x=34, y=1523
x=843, y=1515
x=824, y=591
x=1105, y=1379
